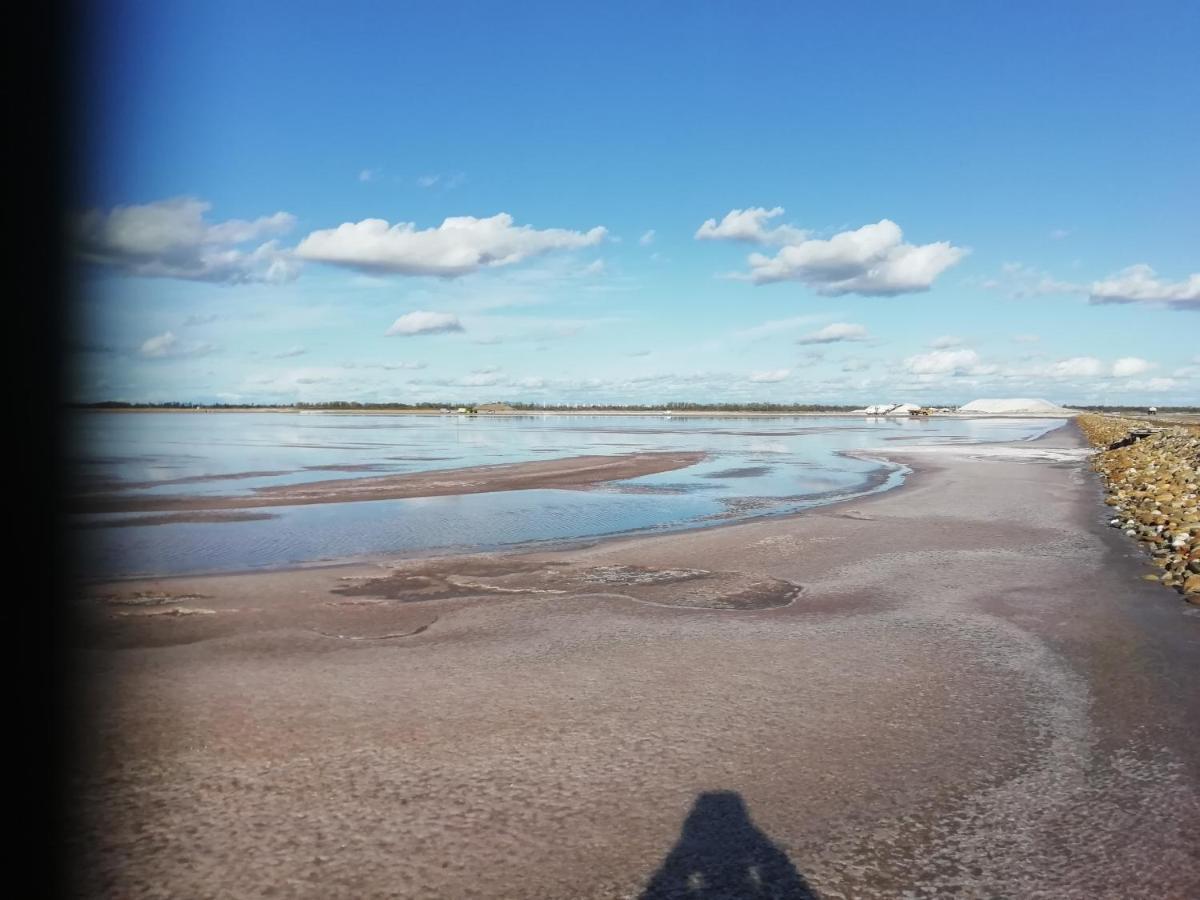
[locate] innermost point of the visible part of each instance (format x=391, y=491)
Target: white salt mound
x=1014, y=406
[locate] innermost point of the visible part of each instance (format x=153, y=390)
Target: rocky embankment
x=1154, y=487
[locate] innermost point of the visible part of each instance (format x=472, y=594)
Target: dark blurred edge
x=46, y=70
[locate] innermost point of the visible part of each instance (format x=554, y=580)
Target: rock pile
x=1154, y=487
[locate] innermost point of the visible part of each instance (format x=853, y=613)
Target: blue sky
x=639, y=202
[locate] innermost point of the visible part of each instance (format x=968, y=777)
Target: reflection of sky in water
x=756, y=466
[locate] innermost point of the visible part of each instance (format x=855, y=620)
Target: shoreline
x=872, y=486
x=664, y=413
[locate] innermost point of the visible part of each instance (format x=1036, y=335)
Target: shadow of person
x=721, y=855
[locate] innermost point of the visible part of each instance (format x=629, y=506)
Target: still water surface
x=755, y=467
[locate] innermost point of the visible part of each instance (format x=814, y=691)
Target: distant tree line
x=674, y=406
x=521, y=407
x=682, y=406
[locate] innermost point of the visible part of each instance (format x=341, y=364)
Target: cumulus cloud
x=647, y=239
x=424, y=322
x=172, y=239
x=459, y=246
x=769, y=377
x=945, y=342
x=1140, y=284
x=750, y=225
x=872, y=260
x=1128, y=366
x=835, y=333
x=943, y=362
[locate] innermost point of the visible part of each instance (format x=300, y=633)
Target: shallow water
x=756, y=466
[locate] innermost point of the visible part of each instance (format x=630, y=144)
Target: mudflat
x=571, y=472
x=961, y=687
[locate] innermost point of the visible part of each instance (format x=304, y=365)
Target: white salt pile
x=1015, y=406
x=887, y=409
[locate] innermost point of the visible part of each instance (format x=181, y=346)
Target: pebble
x=1154, y=486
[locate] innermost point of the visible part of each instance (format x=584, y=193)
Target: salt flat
x=967, y=691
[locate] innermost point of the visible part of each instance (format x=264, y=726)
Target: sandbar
x=571, y=472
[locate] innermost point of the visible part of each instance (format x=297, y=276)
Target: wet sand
x=572, y=472
x=957, y=688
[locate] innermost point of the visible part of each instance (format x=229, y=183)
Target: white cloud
x=647, y=239
x=1059, y=233
x=943, y=362
x=171, y=239
x=596, y=267
x=749, y=225
x=294, y=351
x=835, y=333
x=424, y=322
x=367, y=175
x=945, y=342
x=1127, y=366
x=1144, y=386
x=1026, y=338
x=872, y=260
x=769, y=377
x=1076, y=367
x=167, y=344
x=458, y=246
x=159, y=345
x=1140, y=284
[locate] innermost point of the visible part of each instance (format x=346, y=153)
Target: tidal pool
x=755, y=466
